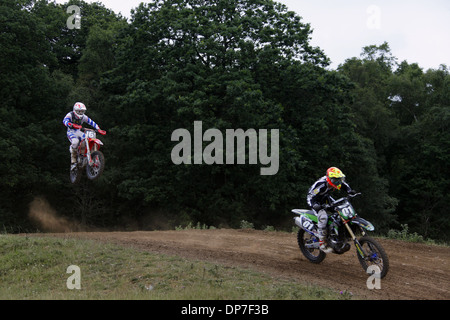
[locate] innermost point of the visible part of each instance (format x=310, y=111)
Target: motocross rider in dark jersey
x=317, y=196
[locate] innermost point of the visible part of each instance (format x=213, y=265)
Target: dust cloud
x=47, y=219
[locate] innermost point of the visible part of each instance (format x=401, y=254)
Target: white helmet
x=79, y=109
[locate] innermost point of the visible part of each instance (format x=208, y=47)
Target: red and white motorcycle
x=89, y=156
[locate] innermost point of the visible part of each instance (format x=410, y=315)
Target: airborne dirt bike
x=89, y=156
x=343, y=223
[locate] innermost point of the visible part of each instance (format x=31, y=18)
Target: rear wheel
x=95, y=170
x=309, y=246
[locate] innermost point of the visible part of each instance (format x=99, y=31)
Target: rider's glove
x=73, y=125
x=317, y=207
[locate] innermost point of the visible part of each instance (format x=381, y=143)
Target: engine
x=337, y=239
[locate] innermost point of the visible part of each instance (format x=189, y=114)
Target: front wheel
x=95, y=170
x=374, y=255
x=309, y=246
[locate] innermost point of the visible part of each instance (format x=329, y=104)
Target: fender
x=306, y=213
x=363, y=223
x=307, y=220
x=94, y=141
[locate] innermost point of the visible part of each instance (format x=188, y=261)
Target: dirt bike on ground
x=343, y=223
x=88, y=156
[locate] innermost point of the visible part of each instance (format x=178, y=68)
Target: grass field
x=36, y=268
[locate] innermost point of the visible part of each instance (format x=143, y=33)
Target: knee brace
x=322, y=219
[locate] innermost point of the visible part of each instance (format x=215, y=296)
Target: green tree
x=402, y=110
x=27, y=89
x=35, y=89
x=376, y=123
x=422, y=151
x=230, y=64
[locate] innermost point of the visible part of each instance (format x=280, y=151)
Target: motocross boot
x=73, y=159
x=323, y=245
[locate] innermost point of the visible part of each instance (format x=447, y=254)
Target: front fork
x=88, y=151
x=352, y=234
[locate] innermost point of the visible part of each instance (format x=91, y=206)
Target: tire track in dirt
x=417, y=271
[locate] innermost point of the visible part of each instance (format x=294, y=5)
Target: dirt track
x=417, y=271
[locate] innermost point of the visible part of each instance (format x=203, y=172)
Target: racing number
x=307, y=224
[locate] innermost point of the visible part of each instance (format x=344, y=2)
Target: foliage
x=230, y=64
x=404, y=111
x=405, y=235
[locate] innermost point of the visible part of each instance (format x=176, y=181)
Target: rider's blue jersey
x=72, y=119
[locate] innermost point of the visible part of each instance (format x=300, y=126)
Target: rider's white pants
x=322, y=219
x=74, y=136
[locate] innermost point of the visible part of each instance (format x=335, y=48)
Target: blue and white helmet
x=79, y=110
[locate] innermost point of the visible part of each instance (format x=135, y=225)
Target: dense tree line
x=230, y=64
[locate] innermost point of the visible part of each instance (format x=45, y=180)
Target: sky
x=417, y=31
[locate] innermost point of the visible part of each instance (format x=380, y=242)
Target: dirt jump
x=417, y=271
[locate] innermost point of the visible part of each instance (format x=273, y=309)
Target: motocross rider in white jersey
x=73, y=121
x=317, y=196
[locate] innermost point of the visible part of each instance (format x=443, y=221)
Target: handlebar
x=102, y=132
x=335, y=202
